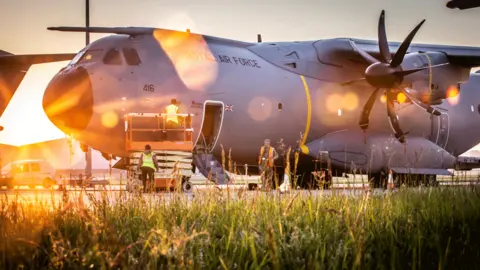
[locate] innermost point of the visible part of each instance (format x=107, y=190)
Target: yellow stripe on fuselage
x=430, y=75
x=309, y=111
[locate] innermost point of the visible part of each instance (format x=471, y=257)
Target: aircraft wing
x=14, y=67
x=463, y=4
x=339, y=51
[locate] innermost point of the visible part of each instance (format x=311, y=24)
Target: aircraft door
x=440, y=129
x=212, y=121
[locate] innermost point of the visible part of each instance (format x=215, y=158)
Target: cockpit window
x=77, y=57
x=112, y=57
x=131, y=56
x=91, y=56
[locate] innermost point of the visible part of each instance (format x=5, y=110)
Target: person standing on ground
x=280, y=162
x=148, y=165
x=266, y=160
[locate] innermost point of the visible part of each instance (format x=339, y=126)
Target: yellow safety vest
x=172, y=109
x=270, y=156
x=148, y=161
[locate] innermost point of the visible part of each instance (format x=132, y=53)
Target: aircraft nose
x=68, y=100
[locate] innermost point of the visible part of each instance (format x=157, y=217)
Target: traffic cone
x=390, y=184
x=285, y=186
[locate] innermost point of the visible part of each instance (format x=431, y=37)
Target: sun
x=24, y=120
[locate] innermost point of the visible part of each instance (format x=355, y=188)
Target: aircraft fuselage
x=261, y=99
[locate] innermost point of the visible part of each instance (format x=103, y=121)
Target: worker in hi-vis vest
x=266, y=160
x=171, y=110
x=171, y=120
x=148, y=165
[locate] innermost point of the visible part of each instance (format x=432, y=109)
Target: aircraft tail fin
x=13, y=69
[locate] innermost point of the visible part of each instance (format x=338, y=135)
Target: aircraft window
x=131, y=56
x=35, y=167
x=292, y=65
x=478, y=108
x=280, y=106
x=112, y=57
x=77, y=57
x=91, y=56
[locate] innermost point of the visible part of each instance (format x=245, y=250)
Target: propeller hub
x=382, y=75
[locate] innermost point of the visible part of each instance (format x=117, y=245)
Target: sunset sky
x=23, y=24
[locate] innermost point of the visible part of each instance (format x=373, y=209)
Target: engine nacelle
x=432, y=85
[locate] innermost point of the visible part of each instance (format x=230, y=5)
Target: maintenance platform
x=171, y=146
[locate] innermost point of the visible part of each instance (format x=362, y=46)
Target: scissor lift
x=172, y=147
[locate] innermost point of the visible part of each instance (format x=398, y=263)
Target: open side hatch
x=211, y=125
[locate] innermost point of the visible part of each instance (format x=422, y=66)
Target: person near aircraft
x=148, y=166
x=171, y=110
x=171, y=120
x=266, y=160
x=280, y=162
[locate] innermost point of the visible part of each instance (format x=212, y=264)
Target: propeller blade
x=367, y=57
x=367, y=108
x=382, y=39
x=410, y=71
x=424, y=106
x=352, y=82
x=402, y=50
x=392, y=116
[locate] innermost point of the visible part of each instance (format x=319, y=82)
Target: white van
x=29, y=173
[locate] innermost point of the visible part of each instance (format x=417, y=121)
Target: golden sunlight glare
x=109, y=119
x=383, y=98
x=24, y=120
x=452, y=95
x=401, y=98
x=191, y=57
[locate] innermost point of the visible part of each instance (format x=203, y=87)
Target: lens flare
x=333, y=102
x=191, y=57
x=260, y=108
x=401, y=98
x=383, y=98
x=452, y=95
x=350, y=101
x=109, y=119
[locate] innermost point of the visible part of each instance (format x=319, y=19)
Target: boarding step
x=208, y=165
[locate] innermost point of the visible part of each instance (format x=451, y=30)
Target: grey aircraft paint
x=287, y=90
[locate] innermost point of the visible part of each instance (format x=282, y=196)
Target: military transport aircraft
x=311, y=94
x=14, y=67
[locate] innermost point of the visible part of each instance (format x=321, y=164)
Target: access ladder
x=172, y=147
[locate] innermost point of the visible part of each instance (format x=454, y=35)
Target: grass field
x=435, y=228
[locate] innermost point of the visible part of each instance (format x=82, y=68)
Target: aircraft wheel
x=9, y=185
x=47, y=183
x=432, y=180
x=252, y=186
x=374, y=181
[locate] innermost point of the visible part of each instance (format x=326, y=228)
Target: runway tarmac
x=40, y=195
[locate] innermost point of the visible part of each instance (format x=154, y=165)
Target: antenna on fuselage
x=259, y=38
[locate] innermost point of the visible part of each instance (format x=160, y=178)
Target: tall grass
x=411, y=229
